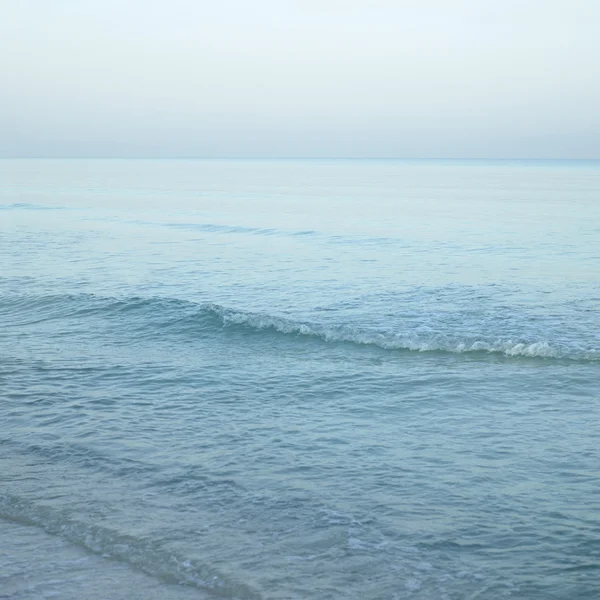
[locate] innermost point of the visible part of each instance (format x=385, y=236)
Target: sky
x=286, y=78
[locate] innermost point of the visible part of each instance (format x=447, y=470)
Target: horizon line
x=407, y=158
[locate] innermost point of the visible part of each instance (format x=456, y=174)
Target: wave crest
x=156, y=316
x=393, y=341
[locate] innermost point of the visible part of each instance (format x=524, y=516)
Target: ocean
x=299, y=379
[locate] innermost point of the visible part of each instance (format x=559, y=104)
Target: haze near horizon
x=463, y=78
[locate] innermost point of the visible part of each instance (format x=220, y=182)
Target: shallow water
x=299, y=379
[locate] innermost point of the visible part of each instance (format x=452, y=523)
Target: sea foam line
x=140, y=553
x=391, y=341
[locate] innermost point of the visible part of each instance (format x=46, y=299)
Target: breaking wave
x=394, y=341
x=164, y=316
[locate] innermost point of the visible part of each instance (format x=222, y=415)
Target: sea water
x=299, y=379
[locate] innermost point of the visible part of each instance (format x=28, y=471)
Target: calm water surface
x=299, y=379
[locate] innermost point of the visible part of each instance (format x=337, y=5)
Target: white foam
x=356, y=544
x=399, y=341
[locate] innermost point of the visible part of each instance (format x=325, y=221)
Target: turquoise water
x=299, y=379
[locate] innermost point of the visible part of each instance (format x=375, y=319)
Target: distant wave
x=267, y=231
x=157, y=316
x=27, y=206
x=219, y=228
x=236, y=229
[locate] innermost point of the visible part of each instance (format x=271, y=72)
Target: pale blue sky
x=427, y=78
